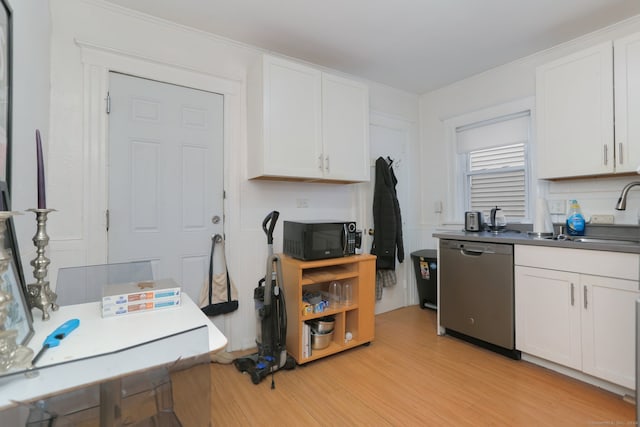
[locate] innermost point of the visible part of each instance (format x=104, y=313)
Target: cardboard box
x=126, y=293
x=140, y=306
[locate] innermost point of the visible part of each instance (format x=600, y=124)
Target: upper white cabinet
x=627, y=102
x=574, y=103
x=345, y=128
x=575, y=111
x=305, y=124
x=285, y=120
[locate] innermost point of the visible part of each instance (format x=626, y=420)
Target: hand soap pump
x=575, y=220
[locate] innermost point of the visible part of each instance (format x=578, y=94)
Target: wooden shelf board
x=328, y=274
x=335, y=310
x=331, y=349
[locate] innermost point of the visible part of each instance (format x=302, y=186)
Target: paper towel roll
x=542, y=223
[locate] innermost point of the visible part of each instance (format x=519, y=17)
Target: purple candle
x=42, y=204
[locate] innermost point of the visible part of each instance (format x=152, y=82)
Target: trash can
x=425, y=263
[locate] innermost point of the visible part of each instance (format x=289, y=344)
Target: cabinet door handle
x=320, y=162
x=620, y=157
x=326, y=161
x=606, y=156
x=573, y=299
x=585, y=298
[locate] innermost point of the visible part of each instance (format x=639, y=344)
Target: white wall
x=506, y=83
x=89, y=37
x=31, y=30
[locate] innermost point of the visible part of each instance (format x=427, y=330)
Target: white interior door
x=390, y=141
x=165, y=177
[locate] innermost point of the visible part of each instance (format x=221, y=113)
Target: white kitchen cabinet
x=608, y=328
x=345, y=128
x=305, y=124
x=574, y=110
x=627, y=102
x=285, y=120
x=578, y=134
x=577, y=308
x=547, y=315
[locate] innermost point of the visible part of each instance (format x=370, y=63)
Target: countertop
x=523, y=238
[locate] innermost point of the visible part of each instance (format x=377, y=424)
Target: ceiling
x=415, y=45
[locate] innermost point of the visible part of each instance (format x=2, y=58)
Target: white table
x=105, y=348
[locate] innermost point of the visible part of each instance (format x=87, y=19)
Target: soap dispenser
x=575, y=220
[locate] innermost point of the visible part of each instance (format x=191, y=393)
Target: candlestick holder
x=40, y=294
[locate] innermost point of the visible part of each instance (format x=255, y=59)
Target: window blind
x=497, y=177
x=498, y=132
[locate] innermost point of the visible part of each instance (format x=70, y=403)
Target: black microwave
x=311, y=240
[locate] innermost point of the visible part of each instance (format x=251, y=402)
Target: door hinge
x=108, y=102
x=107, y=218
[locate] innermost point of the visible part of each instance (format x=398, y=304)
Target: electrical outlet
x=302, y=203
x=557, y=207
x=602, y=219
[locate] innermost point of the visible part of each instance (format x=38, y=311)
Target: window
x=494, y=157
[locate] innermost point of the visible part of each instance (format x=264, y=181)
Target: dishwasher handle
x=472, y=252
x=475, y=249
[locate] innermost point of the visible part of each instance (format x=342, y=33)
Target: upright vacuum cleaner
x=271, y=315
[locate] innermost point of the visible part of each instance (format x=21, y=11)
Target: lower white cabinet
x=608, y=328
x=582, y=321
x=547, y=316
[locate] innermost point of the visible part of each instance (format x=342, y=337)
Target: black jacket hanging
x=387, y=221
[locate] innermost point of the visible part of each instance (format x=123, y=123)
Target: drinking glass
x=335, y=292
x=347, y=294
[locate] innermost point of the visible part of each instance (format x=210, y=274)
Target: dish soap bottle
x=575, y=220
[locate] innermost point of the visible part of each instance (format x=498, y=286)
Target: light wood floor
x=409, y=376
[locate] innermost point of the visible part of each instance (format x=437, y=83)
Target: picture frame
x=19, y=316
x=6, y=77
x=10, y=240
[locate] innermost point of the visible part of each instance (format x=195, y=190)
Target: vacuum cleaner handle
x=273, y=217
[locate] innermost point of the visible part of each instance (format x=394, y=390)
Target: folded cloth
x=387, y=277
x=384, y=279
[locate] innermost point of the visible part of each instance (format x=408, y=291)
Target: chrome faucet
x=622, y=200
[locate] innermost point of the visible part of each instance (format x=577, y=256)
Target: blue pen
x=53, y=340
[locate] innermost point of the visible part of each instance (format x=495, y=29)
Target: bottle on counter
x=575, y=220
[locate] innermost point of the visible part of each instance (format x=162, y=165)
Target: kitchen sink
x=599, y=240
x=605, y=241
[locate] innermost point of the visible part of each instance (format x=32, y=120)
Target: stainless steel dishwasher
x=477, y=293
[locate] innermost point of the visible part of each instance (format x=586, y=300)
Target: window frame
x=455, y=201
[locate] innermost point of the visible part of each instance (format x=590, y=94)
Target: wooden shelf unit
x=357, y=317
